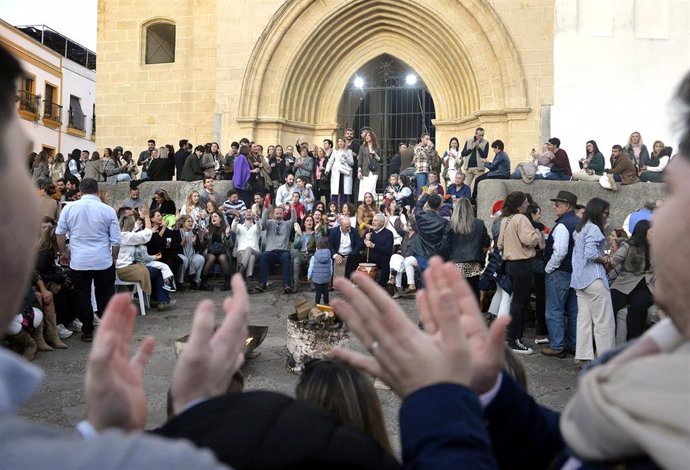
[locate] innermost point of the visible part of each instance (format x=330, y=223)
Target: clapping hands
x=114, y=382
x=454, y=347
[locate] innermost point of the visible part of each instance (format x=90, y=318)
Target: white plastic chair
x=143, y=299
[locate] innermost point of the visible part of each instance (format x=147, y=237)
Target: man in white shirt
x=561, y=302
x=284, y=192
x=94, y=243
x=342, y=240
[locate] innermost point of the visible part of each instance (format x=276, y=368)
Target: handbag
x=216, y=248
x=373, y=166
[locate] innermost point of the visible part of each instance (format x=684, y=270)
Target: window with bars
x=160, y=43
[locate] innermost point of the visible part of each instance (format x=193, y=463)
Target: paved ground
x=60, y=400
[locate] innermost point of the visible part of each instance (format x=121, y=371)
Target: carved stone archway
x=297, y=74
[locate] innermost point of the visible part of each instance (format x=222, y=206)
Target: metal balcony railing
x=76, y=121
x=28, y=101
x=52, y=111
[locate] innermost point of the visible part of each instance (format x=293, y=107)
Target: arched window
x=160, y=43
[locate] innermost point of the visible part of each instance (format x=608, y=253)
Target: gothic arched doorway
x=390, y=98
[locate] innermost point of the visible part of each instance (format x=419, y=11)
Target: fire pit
x=256, y=336
x=313, y=337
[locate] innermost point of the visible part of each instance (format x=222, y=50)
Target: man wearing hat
x=561, y=302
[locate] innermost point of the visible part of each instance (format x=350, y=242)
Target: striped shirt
x=590, y=244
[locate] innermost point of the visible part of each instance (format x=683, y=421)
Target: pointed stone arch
x=297, y=74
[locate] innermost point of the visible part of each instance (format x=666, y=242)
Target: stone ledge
x=178, y=190
x=624, y=201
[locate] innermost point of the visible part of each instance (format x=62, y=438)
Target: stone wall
x=624, y=201
x=178, y=190
x=244, y=67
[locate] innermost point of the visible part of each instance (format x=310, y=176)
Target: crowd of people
x=461, y=405
x=293, y=208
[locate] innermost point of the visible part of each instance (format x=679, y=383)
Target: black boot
x=204, y=285
x=226, y=284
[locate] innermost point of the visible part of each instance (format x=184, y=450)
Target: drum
x=370, y=269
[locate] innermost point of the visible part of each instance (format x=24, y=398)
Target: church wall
x=617, y=66
x=198, y=97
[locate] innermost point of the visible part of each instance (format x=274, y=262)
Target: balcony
x=28, y=105
x=52, y=114
x=76, y=123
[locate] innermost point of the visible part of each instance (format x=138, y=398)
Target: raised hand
x=210, y=359
x=486, y=346
x=115, y=395
x=405, y=357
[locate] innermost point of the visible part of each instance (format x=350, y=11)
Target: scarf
x=638, y=404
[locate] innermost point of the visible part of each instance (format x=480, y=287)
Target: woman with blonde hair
x=192, y=207
x=346, y=393
x=637, y=150
x=56, y=167
x=653, y=171
x=469, y=242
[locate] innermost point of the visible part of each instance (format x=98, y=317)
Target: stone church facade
x=273, y=70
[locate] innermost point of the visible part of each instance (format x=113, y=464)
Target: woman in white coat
x=339, y=166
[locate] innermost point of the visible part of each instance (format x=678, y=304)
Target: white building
x=56, y=96
x=617, y=65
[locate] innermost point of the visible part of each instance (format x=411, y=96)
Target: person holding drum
x=373, y=252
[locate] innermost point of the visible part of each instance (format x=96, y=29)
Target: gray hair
x=380, y=216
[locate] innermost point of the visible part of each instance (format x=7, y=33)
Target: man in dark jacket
x=375, y=247
x=180, y=157
x=192, y=170
x=499, y=168
x=342, y=240
x=433, y=231
x=395, y=164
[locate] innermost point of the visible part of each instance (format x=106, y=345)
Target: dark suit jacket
x=180, y=157
x=406, y=157
x=192, y=171
x=266, y=430
x=334, y=240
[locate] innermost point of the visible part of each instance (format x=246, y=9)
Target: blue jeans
x=422, y=179
x=557, y=176
x=268, y=259
x=422, y=264
x=157, y=291
x=561, y=310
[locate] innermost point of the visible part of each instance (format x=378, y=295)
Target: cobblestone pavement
x=60, y=400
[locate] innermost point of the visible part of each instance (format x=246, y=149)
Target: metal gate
x=392, y=102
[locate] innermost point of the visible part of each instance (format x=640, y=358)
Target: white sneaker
x=169, y=285
x=63, y=333
x=75, y=325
